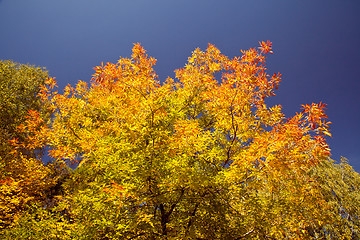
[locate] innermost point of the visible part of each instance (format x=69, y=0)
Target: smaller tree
x=340, y=188
x=22, y=114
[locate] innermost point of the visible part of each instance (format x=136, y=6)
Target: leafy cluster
x=21, y=170
x=194, y=158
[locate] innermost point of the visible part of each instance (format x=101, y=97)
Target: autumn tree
x=340, y=187
x=194, y=158
x=21, y=171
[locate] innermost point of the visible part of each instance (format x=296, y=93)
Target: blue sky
x=315, y=45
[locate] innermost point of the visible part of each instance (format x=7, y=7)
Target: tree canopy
x=198, y=157
x=21, y=170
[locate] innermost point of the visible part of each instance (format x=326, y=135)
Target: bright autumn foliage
x=22, y=174
x=196, y=158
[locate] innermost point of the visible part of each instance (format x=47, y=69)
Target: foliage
x=340, y=187
x=21, y=171
x=196, y=158
x=19, y=85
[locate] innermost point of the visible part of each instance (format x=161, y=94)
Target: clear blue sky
x=315, y=44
